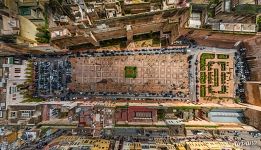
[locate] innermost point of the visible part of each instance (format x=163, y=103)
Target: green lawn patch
x=207, y=56
x=33, y=99
x=222, y=56
x=185, y=107
x=203, y=58
x=248, y=9
x=123, y=106
x=203, y=77
x=216, y=77
x=202, y=65
x=237, y=100
x=161, y=114
x=210, y=78
x=223, y=66
x=223, y=77
x=202, y=90
x=223, y=89
x=210, y=65
x=259, y=23
x=130, y=71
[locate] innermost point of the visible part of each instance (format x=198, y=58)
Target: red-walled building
x=136, y=114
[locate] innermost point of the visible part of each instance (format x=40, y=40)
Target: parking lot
x=155, y=74
x=52, y=76
x=242, y=71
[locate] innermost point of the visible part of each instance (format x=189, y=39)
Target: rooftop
x=76, y=141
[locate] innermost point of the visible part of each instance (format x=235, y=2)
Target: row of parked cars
x=242, y=72
x=145, y=51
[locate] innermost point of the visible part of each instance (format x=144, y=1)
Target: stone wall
x=146, y=28
x=253, y=118
x=102, y=35
x=253, y=93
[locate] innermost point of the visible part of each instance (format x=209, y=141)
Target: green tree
x=43, y=35
x=237, y=100
x=259, y=23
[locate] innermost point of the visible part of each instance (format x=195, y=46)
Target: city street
x=84, y=96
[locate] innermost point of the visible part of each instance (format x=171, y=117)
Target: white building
x=234, y=27
x=195, y=20
x=17, y=75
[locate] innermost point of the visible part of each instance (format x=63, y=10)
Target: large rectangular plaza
x=157, y=74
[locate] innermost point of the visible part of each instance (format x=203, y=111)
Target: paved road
x=193, y=76
x=146, y=51
x=113, y=96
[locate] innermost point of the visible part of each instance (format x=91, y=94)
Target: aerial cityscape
x=130, y=75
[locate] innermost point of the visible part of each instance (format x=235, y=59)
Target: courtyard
x=157, y=74
x=216, y=75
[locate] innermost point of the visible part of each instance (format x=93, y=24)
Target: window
x=17, y=70
x=25, y=114
x=24, y=11
x=140, y=114
x=13, y=114
x=2, y=104
x=1, y=114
